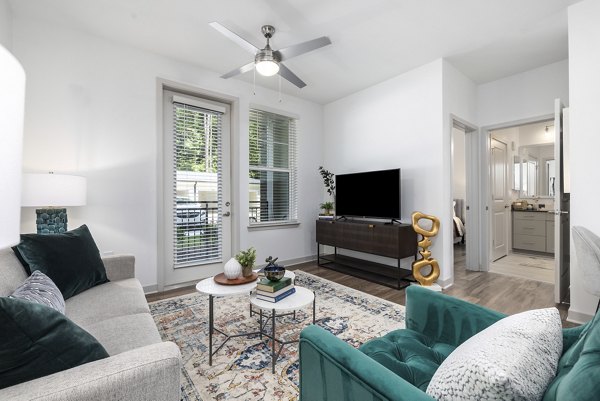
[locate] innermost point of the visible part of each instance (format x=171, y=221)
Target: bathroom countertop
x=532, y=210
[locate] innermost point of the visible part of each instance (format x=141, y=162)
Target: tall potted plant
x=329, y=183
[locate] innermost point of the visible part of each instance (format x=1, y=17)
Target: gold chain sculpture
x=425, y=243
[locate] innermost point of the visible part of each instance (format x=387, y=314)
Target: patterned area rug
x=241, y=370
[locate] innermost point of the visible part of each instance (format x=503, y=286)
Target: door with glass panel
x=196, y=187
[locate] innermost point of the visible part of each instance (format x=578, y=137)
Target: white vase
x=232, y=269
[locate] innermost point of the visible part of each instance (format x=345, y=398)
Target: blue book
x=278, y=297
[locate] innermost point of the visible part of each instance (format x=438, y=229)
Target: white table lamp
x=12, y=107
x=51, y=193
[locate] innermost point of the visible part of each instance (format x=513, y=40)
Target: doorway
x=538, y=201
x=464, y=199
x=195, y=215
x=522, y=191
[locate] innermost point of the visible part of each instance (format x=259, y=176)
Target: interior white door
x=561, y=212
x=196, y=194
x=499, y=200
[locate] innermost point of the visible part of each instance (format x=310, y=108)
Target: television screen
x=368, y=194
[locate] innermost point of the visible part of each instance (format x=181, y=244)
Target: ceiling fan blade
x=304, y=47
x=234, y=37
x=237, y=71
x=290, y=76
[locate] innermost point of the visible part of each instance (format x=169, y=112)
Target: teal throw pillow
x=71, y=260
x=36, y=341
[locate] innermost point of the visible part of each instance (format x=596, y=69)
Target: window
x=197, y=181
x=272, y=173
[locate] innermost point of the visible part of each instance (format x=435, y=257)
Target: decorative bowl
x=274, y=273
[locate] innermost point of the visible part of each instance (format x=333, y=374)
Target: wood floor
x=499, y=292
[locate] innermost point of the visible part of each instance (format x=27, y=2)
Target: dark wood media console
x=396, y=241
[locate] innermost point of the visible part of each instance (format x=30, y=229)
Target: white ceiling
x=372, y=40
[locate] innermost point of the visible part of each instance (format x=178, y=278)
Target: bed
x=460, y=231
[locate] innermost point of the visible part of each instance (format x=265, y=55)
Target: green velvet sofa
x=399, y=365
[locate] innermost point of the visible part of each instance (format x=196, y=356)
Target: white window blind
x=197, y=185
x=272, y=173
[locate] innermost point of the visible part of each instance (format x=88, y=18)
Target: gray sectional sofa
x=140, y=366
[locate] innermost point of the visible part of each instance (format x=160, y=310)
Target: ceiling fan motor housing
x=267, y=54
x=268, y=31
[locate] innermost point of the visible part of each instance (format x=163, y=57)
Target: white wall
x=92, y=110
x=397, y=123
x=5, y=25
x=536, y=134
x=584, y=80
x=523, y=96
x=459, y=101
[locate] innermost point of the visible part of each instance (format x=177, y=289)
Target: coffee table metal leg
x=314, y=308
x=260, y=314
x=210, y=329
x=273, y=341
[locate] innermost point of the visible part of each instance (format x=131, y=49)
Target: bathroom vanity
x=533, y=230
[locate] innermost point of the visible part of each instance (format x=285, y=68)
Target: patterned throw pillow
x=513, y=359
x=40, y=289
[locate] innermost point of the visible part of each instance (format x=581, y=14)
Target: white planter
x=232, y=269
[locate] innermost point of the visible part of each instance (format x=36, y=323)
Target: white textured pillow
x=41, y=289
x=513, y=359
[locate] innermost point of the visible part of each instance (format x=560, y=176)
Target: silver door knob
x=227, y=214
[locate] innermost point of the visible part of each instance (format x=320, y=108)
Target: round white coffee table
x=300, y=299
x=209, y=287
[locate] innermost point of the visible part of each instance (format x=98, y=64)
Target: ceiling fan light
x=267, y=68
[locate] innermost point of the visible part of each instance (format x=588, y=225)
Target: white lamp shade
x=12, y=107
x=57, y=190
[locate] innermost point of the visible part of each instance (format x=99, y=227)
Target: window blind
x=272, y=168
x=197, y=185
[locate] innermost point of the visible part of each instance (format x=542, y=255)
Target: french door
x=196, y=188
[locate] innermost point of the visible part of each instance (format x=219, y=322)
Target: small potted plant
x=246, y=259
x=327, y=208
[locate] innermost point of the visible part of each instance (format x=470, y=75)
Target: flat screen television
x=368, y=194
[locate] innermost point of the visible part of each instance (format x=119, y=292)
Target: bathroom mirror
x=534, y=171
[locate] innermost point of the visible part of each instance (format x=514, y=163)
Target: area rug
x=241, y=370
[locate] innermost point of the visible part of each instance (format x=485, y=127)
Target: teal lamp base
x=51, y=221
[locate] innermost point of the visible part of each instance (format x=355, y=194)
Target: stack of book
x=274, y=291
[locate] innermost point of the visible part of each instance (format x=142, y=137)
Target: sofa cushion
x=70, y=259
x=124, y=333
x=36, y=341
x=513, y=359
x=579, y=368
x=41, y=289
x=105, y=301
x=409, y=354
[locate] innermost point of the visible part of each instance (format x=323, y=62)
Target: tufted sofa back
x=578, y=372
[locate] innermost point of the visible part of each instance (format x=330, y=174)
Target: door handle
x=227, y=214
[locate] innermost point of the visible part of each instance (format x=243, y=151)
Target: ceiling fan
x=267, y=61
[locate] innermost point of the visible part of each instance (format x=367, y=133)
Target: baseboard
x=445, y=284
x=578, y=317
x=150, y=289
x=296, y=261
